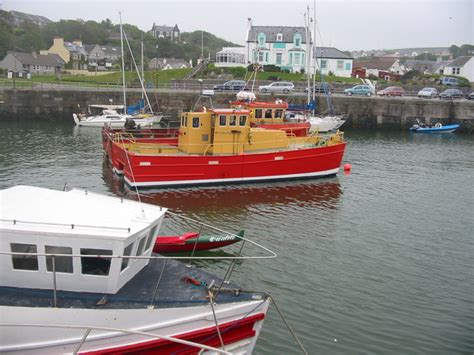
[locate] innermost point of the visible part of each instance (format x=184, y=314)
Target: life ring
x=438, y=125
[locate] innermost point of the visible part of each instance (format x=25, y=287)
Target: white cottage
x=278, y=45
x=332, y=60
x=462, y=66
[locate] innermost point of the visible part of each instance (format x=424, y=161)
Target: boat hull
x=192, y=241
x=239, y=324
x=442, y=129
x=168, y=170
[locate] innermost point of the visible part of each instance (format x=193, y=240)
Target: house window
x=195, y=122
x=348, y=66
x=94, y=265
x=279, y=58
x=24, y=262
x=266, y=56
x=297, y=40
x=324, y=64
x=222, y=120
x=126, y=252
x=242, y=120
x=291, y=59
x=297, y=58
x=61, y=263
x=260, y=56
x=233, y=120
x=261, y=40
x=279, y=37
x=340, y=64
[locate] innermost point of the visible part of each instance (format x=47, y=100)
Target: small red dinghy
x=194, y=241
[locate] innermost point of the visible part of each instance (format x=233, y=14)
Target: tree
x=426, y=56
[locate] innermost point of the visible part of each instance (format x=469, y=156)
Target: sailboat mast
x=143, y=73
x=308, y=49
x=313, y=52
x=123, y=66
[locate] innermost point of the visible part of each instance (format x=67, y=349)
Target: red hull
x=187, y=242
x=231, y=332
x=161, y=170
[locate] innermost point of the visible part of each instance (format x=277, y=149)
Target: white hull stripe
x=230, y=180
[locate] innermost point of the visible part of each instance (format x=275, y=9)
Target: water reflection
x=322, y=193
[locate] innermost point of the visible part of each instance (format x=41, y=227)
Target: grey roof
x=35, y=18
x=421, y=65
x=50, y=60
x=88, y=47
x=459, y=62
x=330, y=52
x=164, y=28
x=111, y=50
x=272, y=31
x=74, y=47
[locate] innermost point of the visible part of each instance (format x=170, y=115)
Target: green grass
x=295, y=77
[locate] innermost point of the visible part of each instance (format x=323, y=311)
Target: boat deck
x=173, y=291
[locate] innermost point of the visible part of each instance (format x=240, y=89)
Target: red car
x=392, y=91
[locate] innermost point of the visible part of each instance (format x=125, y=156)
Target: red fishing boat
x=194, y=241
x=219, y=146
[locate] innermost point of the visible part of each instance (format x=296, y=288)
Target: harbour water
x=379, y=261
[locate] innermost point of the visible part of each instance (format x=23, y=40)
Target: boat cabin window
x=126, y=252
x=233, y=120
x=258, y=113
x=278, y=113
x=141, y=246
x=94, y=265
x=268, y=113
x=243, y=120
x=184, y=121
x=195, y=122
x=151, y=235
x=222, y=120
x=24, y=262
x=61, y=263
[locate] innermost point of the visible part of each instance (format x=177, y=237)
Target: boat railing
x=89, y=328
x=69, y=225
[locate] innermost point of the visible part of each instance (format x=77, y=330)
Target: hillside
x=30, y=37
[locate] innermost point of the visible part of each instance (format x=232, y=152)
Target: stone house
x=32, y=63
x=172, y=33
x=102, y=57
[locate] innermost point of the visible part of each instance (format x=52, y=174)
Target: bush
x=273, y=78
x=238, y=72
x=271, y=68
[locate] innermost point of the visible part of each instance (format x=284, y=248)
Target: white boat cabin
x=75, y=224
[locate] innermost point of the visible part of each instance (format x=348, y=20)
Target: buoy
x=347, y=167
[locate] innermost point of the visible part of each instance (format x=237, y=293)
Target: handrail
x=72, y=225
x=125, y=331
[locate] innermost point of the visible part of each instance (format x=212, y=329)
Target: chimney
x=58, y=41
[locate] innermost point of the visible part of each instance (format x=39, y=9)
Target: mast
x=314, y=53
x=143, y=76
x=308, y=57
x=123, y=66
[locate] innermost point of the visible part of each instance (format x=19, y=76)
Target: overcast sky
x=345, y=24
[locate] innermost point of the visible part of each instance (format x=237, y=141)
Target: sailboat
x=329, y=120
x=117, y=115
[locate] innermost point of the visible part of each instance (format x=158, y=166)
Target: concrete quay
x=363, y=112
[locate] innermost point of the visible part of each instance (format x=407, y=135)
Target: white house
x=231, y=57
x=462, y=66
x=330, y=59
x=278, y=45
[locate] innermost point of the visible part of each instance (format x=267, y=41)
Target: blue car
x=365, y=90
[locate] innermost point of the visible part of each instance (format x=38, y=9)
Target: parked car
x=428, y=92
x=392, y=91
x=277, y=86
x=451, y=94
x=321, y=88
x=232, y=85
x=359, y=90
x=449, y=81
x=470, y=96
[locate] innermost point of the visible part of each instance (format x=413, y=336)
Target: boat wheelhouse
x=219, y=146
x=78, y=275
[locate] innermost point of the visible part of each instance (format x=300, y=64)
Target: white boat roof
x=108, y=107
x=74, y=212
